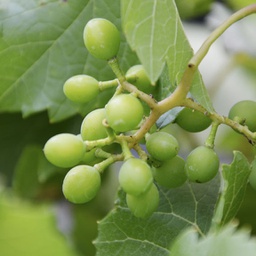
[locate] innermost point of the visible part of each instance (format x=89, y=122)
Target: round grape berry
x=171, y=173
x=244, y=113
x=124, y=112
x=192, y=120
x=81, y=184
x=144, y=205
x=92, y=127
x=202, y=164
x=101, y=38
x=162, y=145
x=81, y=88
x=135, y=176
x=64, y=150
x=138, y=77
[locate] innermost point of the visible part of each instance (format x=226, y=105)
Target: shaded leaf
x=25, y=182
x=17, y=133
x=120, y=233
x=168, y=117
x=33, y=173
x=27, y=229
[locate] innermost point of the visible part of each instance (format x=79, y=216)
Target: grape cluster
x=107, y=136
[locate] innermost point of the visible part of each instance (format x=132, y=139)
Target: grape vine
x=128, y=123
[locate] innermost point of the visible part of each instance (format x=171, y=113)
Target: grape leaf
x=17, y=133
x=25, y=181
x=235, y=177
x=225, y=242
x=168, y=117
x=27, y=229
x=41, y=46
x=33, y=174
x=120, y=233
x=154, y=30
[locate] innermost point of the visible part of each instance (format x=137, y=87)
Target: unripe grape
x=162, y=145
x=81, y=88
x=92, y=127
x=124, y=112
x=81, y=184
x=244, y=112
x=101, y=38
x=144, y=205
x=195, y=9
x=192, y=120
x=202, y=164
x=135, y=176
x=64, y=150
x=138, y=77
x=171, y=173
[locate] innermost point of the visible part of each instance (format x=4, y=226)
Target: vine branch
x=178, y=97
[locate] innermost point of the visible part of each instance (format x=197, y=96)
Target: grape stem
x=113, y=63
x=90, y=144
x=184, y=86
x=103, y=85
x=211, y=137
x=251, y=136
x=141, y=152
x=110, y=160
x=125, y=148
x=178, y=97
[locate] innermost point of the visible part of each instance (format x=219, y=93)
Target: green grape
x=162, y=145
x=81, y=184
x=144, y=205
x=202, y=164
x=92, y=127
x=171, y=173
x=135, y=176
x=244, y=112
x=138, y=77
x=64, y=150
x=124, y=112
x=192, y=120
x=101, y=38
x=252, y=177
x=81, y=88
x=194, y=9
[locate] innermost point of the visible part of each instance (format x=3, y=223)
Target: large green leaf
x=120, y=233
x=154, y=30
x=27, y=229
x=235, y=178
x=225, y=242
x=41, y=46
x=17, y=133
x=34, y=175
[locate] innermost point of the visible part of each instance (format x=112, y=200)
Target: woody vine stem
x=179, y=96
